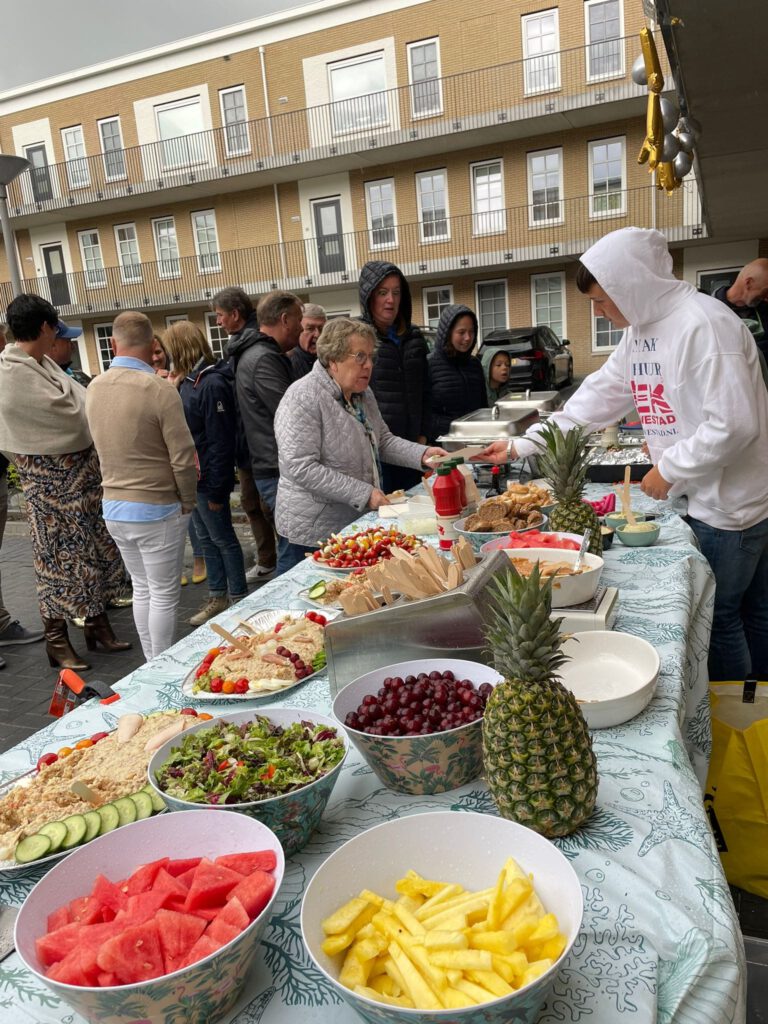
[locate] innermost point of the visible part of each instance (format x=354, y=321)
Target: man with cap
x=62, y=350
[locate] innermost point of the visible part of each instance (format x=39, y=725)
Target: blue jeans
x=267, y=488
x=296, y=553
x=194, y=540
x=739, y=560
x=221, y=550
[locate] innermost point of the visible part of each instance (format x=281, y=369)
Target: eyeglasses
x=361, y=358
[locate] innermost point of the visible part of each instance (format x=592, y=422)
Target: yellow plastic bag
x=736, y=797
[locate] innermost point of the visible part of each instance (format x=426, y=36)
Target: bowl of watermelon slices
x=114, y=924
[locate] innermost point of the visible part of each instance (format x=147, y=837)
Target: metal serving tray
x=484, y=424
x=541, y=401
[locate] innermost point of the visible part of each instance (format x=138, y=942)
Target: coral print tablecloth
x=660, y=941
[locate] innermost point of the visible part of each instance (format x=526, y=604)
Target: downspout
x=280, y=242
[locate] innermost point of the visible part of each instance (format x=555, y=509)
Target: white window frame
x=490, y=222
x=177, y=318
x=95, y=277
x=433, y=238
x=622, y=68
x=160, y=259
x=601, y=350
x=128, y=278
x=180, y=144
x=105, y=153
x=622, y=210
x=77, y=164
x=217, y=346
x=426, y=303
x=380, y=245
x=214, y=268
x=229, y=151
x=548, y=221
x=478, y=307
x=361, y=58
x=560, y=274
x=433, y=111
x=529, y=67
x=97, y=340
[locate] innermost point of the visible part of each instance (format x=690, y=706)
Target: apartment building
x=482, y=150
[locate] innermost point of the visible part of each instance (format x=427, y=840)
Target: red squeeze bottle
x=446, y=493
x=458, y=476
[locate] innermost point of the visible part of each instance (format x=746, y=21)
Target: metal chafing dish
x=541, y=401
x=449, y=625
x=486, y=425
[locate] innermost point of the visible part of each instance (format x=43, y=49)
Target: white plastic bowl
x=612, y=675
x=567, y=591
x=500, y=544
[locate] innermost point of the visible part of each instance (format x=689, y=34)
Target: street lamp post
x=10, y=167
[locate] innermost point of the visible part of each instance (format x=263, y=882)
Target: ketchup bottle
x=458, y=476
x=447, y=496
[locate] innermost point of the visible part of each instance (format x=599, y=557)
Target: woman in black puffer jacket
x=455, y=375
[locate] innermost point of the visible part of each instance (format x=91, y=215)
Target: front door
x=56, y=272
x=330, y=242
x=42, y=189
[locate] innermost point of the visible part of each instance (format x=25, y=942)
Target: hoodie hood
x=633, y=266
x=371, y=276
x=486, y=358
x=448, y=318
x=220, y=368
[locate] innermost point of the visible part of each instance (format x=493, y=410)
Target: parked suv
x=539, y=359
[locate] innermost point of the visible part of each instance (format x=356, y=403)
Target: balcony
x=445, y=247
x=551, y=92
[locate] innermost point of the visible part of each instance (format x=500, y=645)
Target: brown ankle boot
x=59, y=649
x=98, y=630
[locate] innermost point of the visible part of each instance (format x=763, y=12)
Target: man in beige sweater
x=149, y=476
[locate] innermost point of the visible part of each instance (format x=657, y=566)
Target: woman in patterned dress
x=43, y=430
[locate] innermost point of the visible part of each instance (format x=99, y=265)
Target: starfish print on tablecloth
x=672, y=821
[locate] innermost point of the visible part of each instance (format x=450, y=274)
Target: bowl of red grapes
x=418, y=724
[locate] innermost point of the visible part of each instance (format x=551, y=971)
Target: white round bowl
x=448, y=846
x=116, y=855
x=500, y=544
x=567, y=591
x=612, y=675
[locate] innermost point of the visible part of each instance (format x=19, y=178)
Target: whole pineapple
x=537, y=751
x=562, y=459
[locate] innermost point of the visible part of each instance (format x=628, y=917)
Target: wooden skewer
x=627, y=510
x=232, y=639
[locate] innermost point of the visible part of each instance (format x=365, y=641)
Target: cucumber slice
x=32, y=848
x=92, y=825
x=56, y=832
x=126, y=809
x=158, y=804
x=317, y=590
x=76, y=829
x=109, y=816
x=143, y=804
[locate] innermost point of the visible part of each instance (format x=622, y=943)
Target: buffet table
x=660, y=939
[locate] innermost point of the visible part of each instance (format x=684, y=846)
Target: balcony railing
x=551, y=231
x=489, y=97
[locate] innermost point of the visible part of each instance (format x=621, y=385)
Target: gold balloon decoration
x=653, y=144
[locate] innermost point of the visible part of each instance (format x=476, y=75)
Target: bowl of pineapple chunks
x=449, y=916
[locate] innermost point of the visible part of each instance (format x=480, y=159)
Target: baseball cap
x=63, y=331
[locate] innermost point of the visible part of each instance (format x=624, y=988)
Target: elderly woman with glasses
x=331, y=441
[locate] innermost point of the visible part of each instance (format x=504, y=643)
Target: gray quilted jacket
x=326, y=463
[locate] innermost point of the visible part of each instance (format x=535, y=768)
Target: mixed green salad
x=230, y=764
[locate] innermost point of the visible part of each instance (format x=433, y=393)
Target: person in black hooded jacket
x=400, y=378
x=456, y=377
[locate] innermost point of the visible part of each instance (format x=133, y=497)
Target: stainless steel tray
x=541, y=401
x=484, y=423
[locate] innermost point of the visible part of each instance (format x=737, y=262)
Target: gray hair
x=274, y=304
x=315, y=312
x=333, y=343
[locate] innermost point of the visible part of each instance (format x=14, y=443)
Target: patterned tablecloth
x=660, y=940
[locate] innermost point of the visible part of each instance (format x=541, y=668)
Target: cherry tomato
x=214, y=652
x=228, y=686
x=278, y=626
x=47, y=759
x=320, y=619
x=83, y=744
x=241, y=686
x=312, y=616
x=188, y=711
x=202, y=670
x=204, y=716
x=64, y=752
x=98, y=736
x=216, y=684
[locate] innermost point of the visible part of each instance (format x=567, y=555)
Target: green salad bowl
x=294, y=816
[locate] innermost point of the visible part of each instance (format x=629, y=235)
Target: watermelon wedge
x=245, y=863
x=142, y=879
x=133, y=955
x=254, y=892
x=178, y=867
x=178, y=934
x=211, y=885
x=58, y=918
x=204, y=946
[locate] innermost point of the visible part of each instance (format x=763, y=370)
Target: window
x=217, y=336
x=424, y=78
x=541, y=43
x=545, y=187
x=380, y=205
x=78, y=174
x=112, y=148
x=103, y=334
x=166, y=247
x=206, y=241
x=548, y=301
x=176, y=319
x=357, y=93
x=710, y=280
x=604, y=335
x=607, y=162
x=435, y=301
x=127, y=245
x=234, y=117
x=432, y=199
x=488, y=199
x=605, y=46
x=93, y=264
x=491, y=306
x=179, y=129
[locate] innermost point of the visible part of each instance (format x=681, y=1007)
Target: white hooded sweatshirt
x=690, y=367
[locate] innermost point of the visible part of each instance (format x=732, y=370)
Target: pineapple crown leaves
x=562, y=459
x=523, y=640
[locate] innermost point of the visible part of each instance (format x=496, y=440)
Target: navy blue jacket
x=456, y=379
x=208, y=397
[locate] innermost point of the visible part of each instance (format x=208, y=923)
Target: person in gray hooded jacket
x=331, y=440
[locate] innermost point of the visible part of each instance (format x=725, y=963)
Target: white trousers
x=153, y=554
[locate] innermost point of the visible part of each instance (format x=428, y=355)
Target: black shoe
x=15, y=633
